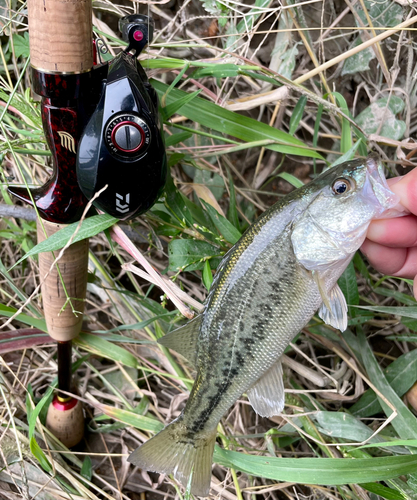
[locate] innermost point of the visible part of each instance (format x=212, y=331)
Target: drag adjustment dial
x=127, y=135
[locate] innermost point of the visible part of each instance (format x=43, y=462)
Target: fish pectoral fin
x=322, y=289
x=335, y=312
x=267, y=395
x=184, y=340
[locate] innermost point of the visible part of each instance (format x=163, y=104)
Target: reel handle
x=137, y=30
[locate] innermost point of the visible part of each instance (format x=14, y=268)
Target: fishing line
x=149, y=42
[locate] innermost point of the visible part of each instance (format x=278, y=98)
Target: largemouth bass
x=266, y=289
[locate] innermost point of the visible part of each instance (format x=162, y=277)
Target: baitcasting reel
x=122, y=145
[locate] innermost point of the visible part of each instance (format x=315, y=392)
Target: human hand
x=391, y=244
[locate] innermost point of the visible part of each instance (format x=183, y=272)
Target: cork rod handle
x=63, y=325
x=60, y=35
x=61, y=50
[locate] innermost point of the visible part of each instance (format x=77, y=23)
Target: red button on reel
x=138, y=35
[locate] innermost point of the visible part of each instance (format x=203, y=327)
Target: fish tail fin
x=175, y=451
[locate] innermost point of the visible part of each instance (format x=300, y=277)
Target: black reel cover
x=122, y=145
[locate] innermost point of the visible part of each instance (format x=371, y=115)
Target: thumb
x=406, y=189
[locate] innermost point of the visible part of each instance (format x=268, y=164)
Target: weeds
x=256, y=99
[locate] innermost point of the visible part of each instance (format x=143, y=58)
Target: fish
x=267, y=287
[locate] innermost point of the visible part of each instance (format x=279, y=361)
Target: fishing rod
x=101, y=124
x=61, y=62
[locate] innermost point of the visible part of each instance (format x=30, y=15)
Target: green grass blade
x=172, y=140
x=176, y=105
x=87, y=468
x=349, y=154
x=406, y=312
x=297, y=114
x=291, y=179
x=405, y=423
x=39, y=454
x=227, y=122
x=137, y=326
x=217, y=71
x=33, y=415
x=225, y=228
x=349, y=286
x=106, y=349
x=89, y=227
x=383, y=491
x=400, y=374
x=207, y=275
x=130, y=418
x=346, y=137
x=398, y=442
x=174, y=82
x=329, y=471
x=8, y=312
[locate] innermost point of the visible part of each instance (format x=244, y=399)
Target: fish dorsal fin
x=335, y=312
x=267, y=395
x=184, y=339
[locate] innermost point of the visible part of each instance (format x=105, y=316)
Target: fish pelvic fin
x=267, y=394
x=184, y=340
x=176, y=451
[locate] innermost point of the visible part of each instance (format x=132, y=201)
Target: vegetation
x=256, y=99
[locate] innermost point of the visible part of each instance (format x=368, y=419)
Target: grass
x=256, y=100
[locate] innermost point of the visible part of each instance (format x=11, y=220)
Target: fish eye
x=341, y=186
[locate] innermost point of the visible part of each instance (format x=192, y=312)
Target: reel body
x=122, y=145
x=103, y=128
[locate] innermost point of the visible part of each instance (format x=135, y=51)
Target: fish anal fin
x=175, y=451
x=184, y=340
x=335, y=312
x=267, y=395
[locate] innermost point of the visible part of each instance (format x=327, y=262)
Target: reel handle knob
x=137, y=31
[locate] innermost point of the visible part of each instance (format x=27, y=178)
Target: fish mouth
x=387, y=203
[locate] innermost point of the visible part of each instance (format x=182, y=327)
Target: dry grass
x=325, y=372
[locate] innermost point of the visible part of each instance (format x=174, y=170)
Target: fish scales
x=275, y=297
x=266, y=289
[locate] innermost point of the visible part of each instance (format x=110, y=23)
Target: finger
x=400, y=262
x=398, y=232
x=394, y=180
x=406, y=189
x=384, y=259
